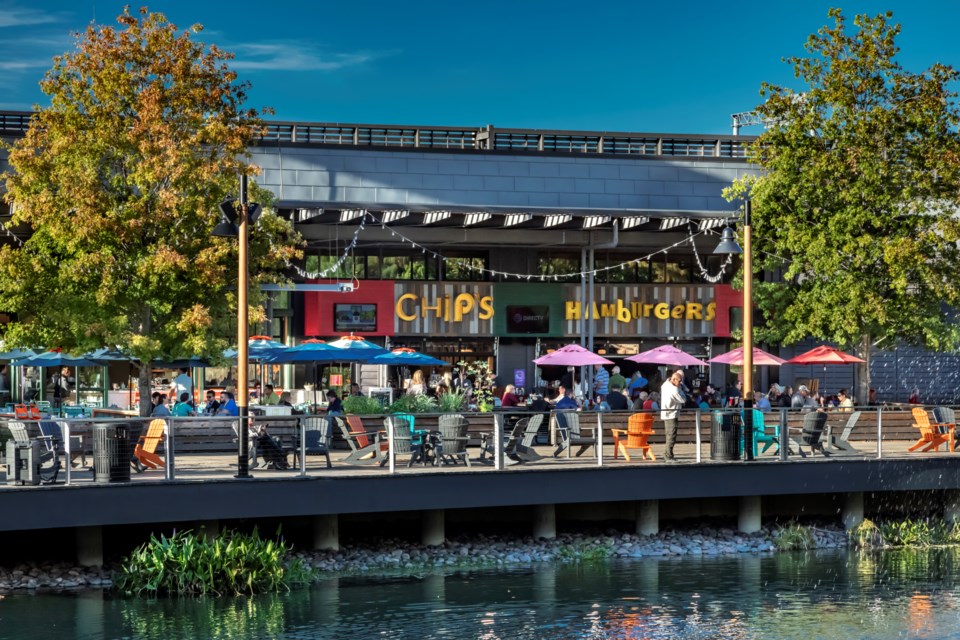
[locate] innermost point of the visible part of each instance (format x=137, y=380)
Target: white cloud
x=293, y=57
x=22, y=17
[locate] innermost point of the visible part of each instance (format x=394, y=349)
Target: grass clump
x=866, y=535
x=585, y=552
x=186, y=563
x=794, y=537
x=362, y=405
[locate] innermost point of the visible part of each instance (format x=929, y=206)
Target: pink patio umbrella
x=571, y=355
x=760, y=357
x=667, y=355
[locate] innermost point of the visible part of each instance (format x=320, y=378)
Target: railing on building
x=489, y=138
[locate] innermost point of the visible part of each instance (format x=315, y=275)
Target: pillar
x=210, y=529
x=545, y=521
x=852, y=510
x=951, y=506
x=432, y=533
x=748, y=520
x=89, y=546
x=326, y=533
x=648, y=517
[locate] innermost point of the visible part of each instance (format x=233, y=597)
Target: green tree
x=119, y=180
x=856, y=203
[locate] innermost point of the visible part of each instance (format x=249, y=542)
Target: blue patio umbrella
x=56, y=359
x=355, y=349
x=17, y=354
x=184, y=363
x=406, y=357
x=306, y=352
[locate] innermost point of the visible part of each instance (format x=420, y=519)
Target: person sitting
x=211, y=406
x=803, y=400
x=284, y=399
x=183, y=408
x=160, y=409
x=652, y=403
x=615, y=399
x=334, y=404
x=228, y=406
x=566, y=401
x=761, y=402
x=510, y=398
x=846, y=402
x=269, y=396
x=537, y=401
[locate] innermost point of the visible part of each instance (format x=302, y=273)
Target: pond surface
x=897, y=594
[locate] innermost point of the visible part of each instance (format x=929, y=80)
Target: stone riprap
x=476, y=551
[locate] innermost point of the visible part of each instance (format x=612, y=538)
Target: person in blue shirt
x=637, y=384
x=160, y=409
x=567, y=401
x=228, y=406
x=601, y=382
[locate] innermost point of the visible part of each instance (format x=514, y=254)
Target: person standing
x=617, y=380
x=182, y=384
x=601, y=382
x=416, y=387
x=671, y=400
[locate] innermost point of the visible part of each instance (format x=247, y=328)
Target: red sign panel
x=365, y=311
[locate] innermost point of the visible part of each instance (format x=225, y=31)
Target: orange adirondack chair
x=639, y=430
x=931, y=436
x=145, y=451
x=26, y=412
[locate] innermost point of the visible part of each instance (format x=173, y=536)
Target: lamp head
x=226, y=229
x=728, y=243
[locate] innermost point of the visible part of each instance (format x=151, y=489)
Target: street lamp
x=728, y=245
x=234, y=222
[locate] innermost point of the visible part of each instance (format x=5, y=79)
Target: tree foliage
x=119, y=180
x=856, y=203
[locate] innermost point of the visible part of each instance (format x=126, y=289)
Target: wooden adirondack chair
x=145, y=451
x=453, y=439
x=364, y=445
x=317, y=434
x=841, y=442
x=48, y=466
x=636, y=436
x=760, y=435
x=570, y=433
x=930, y=434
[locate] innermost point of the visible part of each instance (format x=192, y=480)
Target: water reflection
x=805, y=595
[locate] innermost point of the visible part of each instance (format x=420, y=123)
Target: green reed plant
x=413, y=404
x=866, y=535
x=362, y=405
x=186, y=563
x=794, y=537
x=452, y=401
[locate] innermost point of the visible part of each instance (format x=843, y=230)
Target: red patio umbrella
x=760, y=357
x=824, y=355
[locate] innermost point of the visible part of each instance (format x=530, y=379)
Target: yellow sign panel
x=637, y=310
x=410, y=306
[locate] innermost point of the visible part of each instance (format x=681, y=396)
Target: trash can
x=23, y=462
x=111, y=452
x=725, y=435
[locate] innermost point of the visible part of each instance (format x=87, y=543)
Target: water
x=901, y=594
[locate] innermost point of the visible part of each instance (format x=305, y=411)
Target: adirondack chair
x=523, y=450
x=317, y=434
x=364, y=445
x=402, y=427
x=510, y=442
x=48, y=466
x=842, y=442
x=570, y=434
x=453, y=440
x=54, y=429
x=635, y=436
x=930, y=434
x=145, y=451
x=946, y=418
x=73, y=411
x=811, y=435
x=760, y=435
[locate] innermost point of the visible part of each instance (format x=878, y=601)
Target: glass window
x=395, y=268
x=373, y=267
x=658, y=271
x=551, y=264
x=464, y=267
x=678, y=271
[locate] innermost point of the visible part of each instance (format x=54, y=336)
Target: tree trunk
x=863, y=371
x=145, y=379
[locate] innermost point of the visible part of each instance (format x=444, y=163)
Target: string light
x=7, y=231
x=713, y=278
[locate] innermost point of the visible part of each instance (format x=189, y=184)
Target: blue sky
x=665, y=67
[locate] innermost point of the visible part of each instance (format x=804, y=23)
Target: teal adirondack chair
x=761, y=435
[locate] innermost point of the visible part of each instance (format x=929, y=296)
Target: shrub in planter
x=362, y=405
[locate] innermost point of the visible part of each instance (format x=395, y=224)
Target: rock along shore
x=475, y=551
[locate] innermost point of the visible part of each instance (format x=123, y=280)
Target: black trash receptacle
x=111, y=452
x=725, y=429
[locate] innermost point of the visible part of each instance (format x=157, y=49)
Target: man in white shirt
x=183, y=383
x=671, y=400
